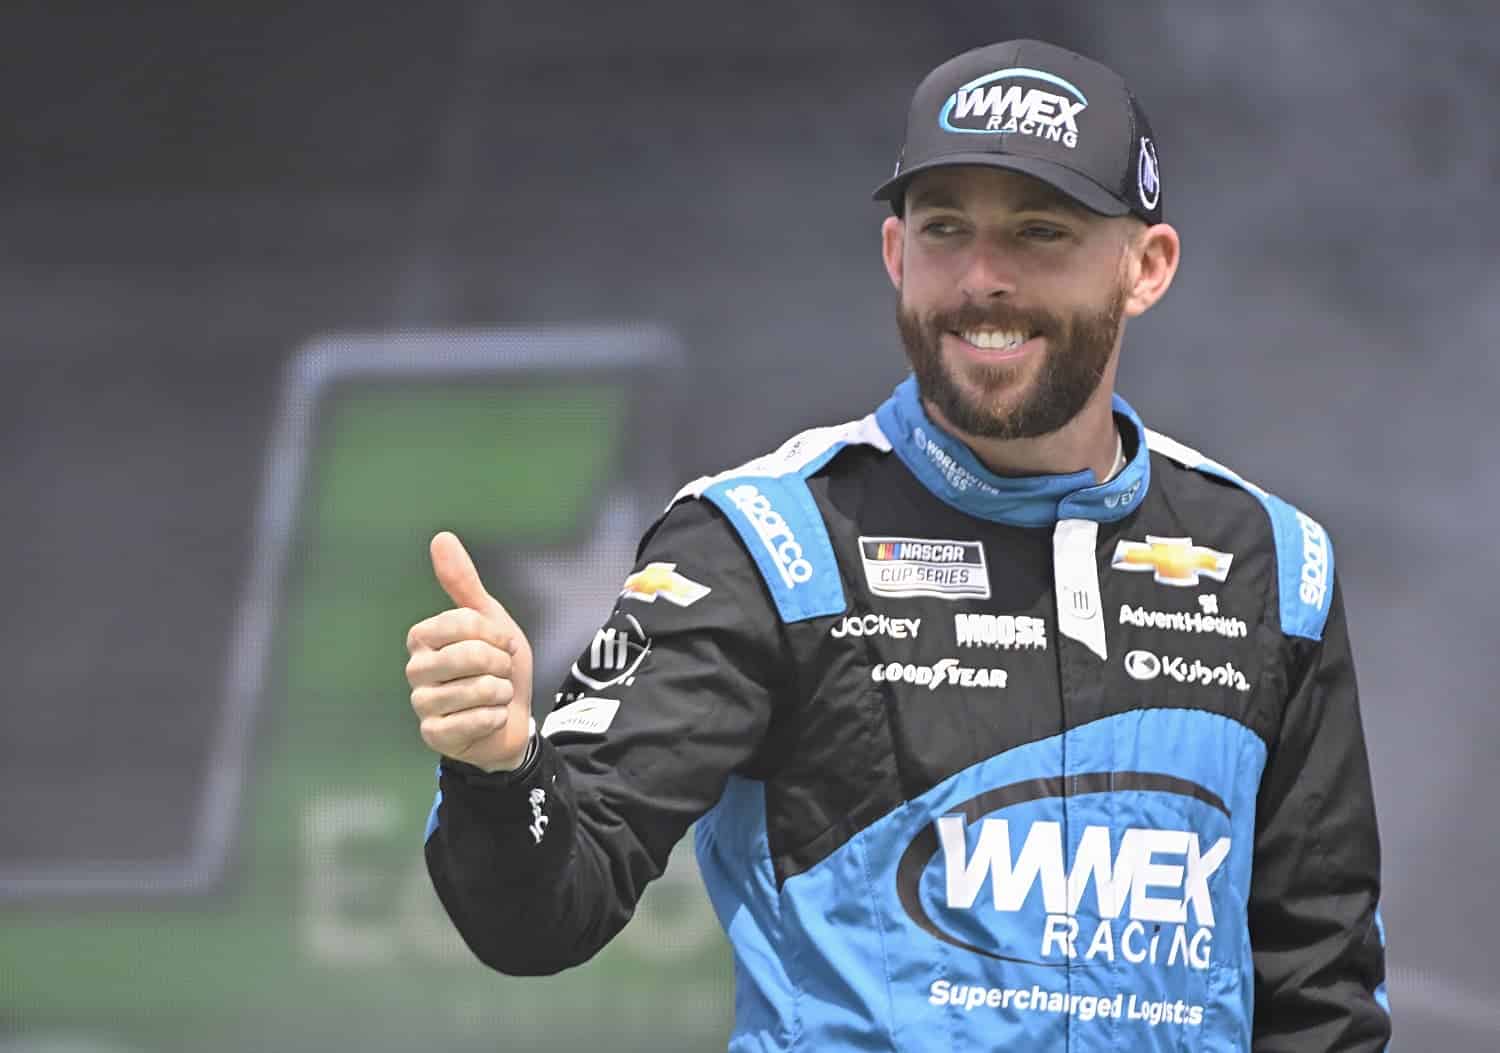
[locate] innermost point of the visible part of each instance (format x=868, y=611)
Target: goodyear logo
x=1018, y=101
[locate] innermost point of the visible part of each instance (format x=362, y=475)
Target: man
x=1005, y=722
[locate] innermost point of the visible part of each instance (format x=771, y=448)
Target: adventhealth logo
x=1010, y=101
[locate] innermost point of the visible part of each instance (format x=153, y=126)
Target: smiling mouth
x=995, y=339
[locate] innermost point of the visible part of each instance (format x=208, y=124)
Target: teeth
x=994, y=339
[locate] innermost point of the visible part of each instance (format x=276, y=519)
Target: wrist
x=501, y=774
x=527, y=755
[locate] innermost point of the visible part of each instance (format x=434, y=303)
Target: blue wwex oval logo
x=1016, y=101
x=1007, y=888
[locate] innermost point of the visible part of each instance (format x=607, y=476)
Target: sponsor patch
x=1084, y=1007
x=586, y=716
x=1148, y=665
x=1006, y=632
x=781, y=544
x=1126, y=497
x=617, y=651
x=1184, y=622
x=954, y=474
x=1148, y=175
x=662, y=579
x=876, y=625
x=992, y=876
x=1134, y=896
x=945, y=672
x=1016, y=101
x=906, y=566
x=1172, y=560
x=539, y=820
x=1313, y=581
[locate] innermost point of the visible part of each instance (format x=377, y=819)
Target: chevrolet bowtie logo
x=662, y=579
x=1176, y=560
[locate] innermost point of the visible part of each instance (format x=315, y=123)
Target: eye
x=942, y=228
x=1043, y=232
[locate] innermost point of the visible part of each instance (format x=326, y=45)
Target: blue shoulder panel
x=1304, y=552
x=785, y=534
x=1304, y=569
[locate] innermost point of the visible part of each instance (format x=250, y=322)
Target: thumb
x=456, y=574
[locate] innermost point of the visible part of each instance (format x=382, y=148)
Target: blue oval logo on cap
x=1001, y=103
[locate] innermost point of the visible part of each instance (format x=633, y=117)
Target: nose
x=990, y=273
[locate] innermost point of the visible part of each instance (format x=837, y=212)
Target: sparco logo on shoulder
x=1314, y=578
x=774, y=533
x=1016, y=101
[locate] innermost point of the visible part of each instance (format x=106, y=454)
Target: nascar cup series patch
x=910, y=566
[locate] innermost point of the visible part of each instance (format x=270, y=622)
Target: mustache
x=971, y=315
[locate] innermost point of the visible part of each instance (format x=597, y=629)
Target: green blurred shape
x=522, y=464
x=328, y=936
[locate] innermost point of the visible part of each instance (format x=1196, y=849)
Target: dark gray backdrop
x=190, y=192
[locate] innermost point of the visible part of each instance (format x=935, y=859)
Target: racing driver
x=1005, y=722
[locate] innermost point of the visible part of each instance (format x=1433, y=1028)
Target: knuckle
x=486, y=690
x=422, y=701
x=500, y=663
x=458, y=656
x=433, y=733
x=477, y=654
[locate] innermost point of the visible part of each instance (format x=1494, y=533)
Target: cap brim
x=1080, y=188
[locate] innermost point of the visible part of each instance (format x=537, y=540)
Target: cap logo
x=1000, y=103
x=1148, y=176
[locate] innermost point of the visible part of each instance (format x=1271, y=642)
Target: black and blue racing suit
x=975, y=762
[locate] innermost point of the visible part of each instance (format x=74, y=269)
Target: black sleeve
x=540, y=868
x=1315, y=931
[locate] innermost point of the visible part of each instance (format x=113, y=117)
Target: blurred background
x=285, y=288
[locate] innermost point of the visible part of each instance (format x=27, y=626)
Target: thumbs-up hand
x=470, y=669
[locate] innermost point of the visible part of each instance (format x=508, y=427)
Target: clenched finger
x=457, y=732
x=457, y=660
x=450, y=626
x=475, y=692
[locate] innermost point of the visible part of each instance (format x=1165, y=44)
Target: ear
x=892, y=242
x=1151, y=263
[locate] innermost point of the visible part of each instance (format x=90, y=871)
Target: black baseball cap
x=1032, y=107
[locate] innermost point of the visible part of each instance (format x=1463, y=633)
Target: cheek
x=924, y=281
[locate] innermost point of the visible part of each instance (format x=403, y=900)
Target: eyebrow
x=1038, y=199
x=935, y=197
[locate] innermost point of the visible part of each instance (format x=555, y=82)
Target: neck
x=1089, y=441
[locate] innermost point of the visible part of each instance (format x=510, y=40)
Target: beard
x=1077, y=354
